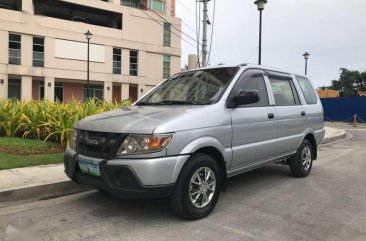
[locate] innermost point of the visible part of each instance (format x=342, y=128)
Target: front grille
x=99, y=144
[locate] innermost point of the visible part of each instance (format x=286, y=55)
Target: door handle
x=303, y=113
x=270, y=115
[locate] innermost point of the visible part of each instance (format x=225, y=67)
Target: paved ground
x=31, y=176
x=266, y=204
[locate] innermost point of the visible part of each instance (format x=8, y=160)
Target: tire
x=302, y=162
x=182, y=203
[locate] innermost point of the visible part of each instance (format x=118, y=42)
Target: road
x=266, y=204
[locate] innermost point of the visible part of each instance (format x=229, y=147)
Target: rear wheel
x=302, y=162
x=198, y=187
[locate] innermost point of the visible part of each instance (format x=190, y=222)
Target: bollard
x=355, y=120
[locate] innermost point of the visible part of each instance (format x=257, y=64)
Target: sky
x=332, y=31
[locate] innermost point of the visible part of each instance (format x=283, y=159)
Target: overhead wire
x=194, y=46
x=179, y=30
x=190, y=11
x=184, y=23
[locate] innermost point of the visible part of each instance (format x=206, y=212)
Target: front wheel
x=302, y=162
x=198, y=187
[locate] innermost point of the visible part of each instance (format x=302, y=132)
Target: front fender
x=208, y=141
x=197, y=144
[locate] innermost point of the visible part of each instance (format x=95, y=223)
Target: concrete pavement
x=263, y=205
x=50, y=180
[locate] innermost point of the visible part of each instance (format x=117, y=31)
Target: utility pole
x=204, y=33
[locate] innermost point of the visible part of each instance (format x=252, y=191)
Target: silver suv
x=188, y=135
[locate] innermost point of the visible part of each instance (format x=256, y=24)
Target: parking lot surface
x=265, y=204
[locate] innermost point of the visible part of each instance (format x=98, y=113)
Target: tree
x=350, y=82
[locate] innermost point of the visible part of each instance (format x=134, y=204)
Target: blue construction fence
x=344, y=108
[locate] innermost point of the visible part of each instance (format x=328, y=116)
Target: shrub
x=45, y=120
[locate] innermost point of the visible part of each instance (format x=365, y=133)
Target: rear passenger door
x=253, y=125
x=291, y=114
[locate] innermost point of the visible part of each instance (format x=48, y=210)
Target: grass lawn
x=17, y=152
x=8, y=161
x=12, y=145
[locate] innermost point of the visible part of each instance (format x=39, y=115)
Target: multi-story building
x=43, y=48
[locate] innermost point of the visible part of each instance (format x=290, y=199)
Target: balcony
x=78, y=13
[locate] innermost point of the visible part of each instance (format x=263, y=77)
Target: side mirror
x=245, y=97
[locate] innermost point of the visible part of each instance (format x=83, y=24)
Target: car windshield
x=198, y=87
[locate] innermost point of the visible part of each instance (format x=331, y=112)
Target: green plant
x=45, y=120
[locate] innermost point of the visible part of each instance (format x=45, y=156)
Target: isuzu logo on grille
x=95, y=141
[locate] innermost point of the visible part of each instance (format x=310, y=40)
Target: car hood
x=137, y=119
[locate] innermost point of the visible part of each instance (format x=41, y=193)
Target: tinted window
x=307, y=90
x=283, y=90
x=253, y=80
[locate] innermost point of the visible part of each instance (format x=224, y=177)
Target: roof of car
x=249, y=65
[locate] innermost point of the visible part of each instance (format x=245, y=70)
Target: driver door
x=254, y=127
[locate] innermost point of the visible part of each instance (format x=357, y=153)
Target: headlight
x=73, y=138
x=139, y=144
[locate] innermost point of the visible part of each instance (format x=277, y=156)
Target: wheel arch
x=217, y=155
x=311, y=138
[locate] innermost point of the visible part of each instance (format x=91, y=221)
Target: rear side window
x=307, y=90
x=283, y=91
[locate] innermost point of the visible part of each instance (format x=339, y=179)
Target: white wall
x=66, y=49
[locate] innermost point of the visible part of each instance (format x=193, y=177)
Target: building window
x=59, y=91
x=167, y=30
x=117, y=60
x=15, y=46
x=134, y=57
x=14, y=88
x=166, y=66
x=131, y=3
x=95, y=92
x=11, y=4
x=158, y=5
x=38, y=51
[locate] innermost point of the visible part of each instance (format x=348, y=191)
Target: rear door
x=291, y=114
x=253, y=125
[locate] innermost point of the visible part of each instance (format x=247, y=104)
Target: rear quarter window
x=308, y=90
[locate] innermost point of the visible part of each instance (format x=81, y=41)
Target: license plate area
x=89, y=166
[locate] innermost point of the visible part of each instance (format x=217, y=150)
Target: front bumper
x=129, y=178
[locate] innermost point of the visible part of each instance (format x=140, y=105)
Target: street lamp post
x=88, y=36
x=306, y=57
x=260, y=4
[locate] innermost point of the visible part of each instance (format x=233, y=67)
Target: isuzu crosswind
x=188, y=135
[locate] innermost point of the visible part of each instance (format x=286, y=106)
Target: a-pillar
x=107, y=93
x=49, y=89
x=125, y=91
x=3, y=86
x=26, y=88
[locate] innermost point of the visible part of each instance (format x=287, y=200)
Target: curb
x=42, y=192
x=334, y=138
